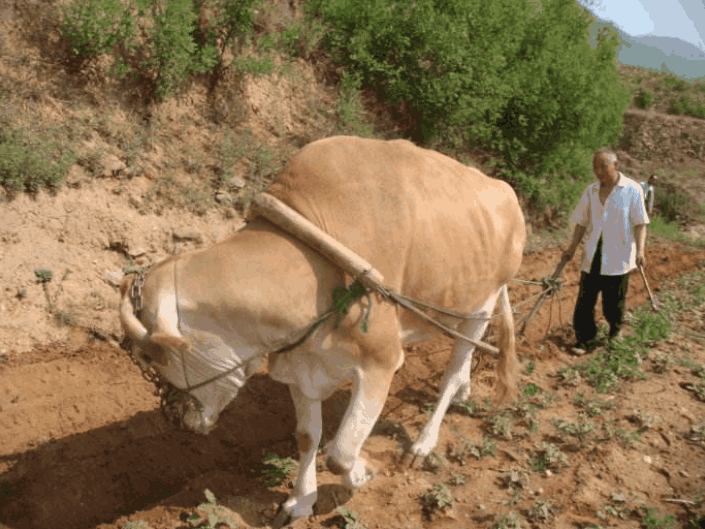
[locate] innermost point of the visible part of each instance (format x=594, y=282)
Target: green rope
x=343, y=297
x=552, y=284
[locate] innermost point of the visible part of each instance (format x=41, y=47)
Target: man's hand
x=641, y=260
x=640, y=233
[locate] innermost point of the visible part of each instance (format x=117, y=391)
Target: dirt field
x=83, y=443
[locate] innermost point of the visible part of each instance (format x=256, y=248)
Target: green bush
x=644, y=99
x=685, y=107
x=520, y=81
x=29, y=162
x=160, y=42
x=93, y=27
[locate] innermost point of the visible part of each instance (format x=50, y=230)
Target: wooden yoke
x=303, y=229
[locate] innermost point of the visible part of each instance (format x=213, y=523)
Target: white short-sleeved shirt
x=624, y=209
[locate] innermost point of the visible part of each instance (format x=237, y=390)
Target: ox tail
x=507, y=364
x=132, y=326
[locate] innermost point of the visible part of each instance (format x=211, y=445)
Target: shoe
x=579, y=350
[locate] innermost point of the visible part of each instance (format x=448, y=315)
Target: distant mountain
x=666, y=54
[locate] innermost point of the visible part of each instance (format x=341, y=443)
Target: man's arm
x=640, y=234
x=578, y=235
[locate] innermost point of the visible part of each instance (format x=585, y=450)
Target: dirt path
x=83, y=444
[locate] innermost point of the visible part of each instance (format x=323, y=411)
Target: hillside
x=82, y=441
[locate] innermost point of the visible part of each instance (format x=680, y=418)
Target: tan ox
x=437, y=230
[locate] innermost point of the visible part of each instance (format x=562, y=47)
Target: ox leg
x=456, y=379
x=309, y=424
x=369, y=394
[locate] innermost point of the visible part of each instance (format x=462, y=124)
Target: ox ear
x=160, y=341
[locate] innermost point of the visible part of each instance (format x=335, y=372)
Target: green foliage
x=348, y=519
x=651, y=520
x=625, y=356
x=276, y=468
x=216, y=515
x=437, y=498
x=549, y=456
x=683, y=106
x=161, y=42
x=92, y=27
x=30, y=161
x=644, y=99
x=350, y=109
x=43, y=275
x=519, y=80
x=509, y=521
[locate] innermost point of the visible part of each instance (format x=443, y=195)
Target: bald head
x=604, y=157
x=604, y=165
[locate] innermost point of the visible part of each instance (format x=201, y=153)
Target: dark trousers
x=614, y=296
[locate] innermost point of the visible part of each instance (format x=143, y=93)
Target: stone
x=112, y=165
x=113, y=277
x=136, y=252
x=187, y=233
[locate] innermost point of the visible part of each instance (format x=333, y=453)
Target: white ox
x=437, y=230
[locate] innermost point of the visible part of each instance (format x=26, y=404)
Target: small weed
x=549, y=457
x=541, y=511
x=581, y=430
x=570, y=376
x=469, y=407
x=593, y=406
x=434, y=462
x=429, y=408
x=530, y=390
x=64, y=318
x=437, y=498
x=501, y=426
x=531, y=366
x=625, y=438
x=276, y=468
x=488, y=447
x=43, y=275
x=457, y=479
x=511, y=520
x=348, y=519
x=215, y=514
x=642, y=419
x=650, y=519
x=515, y=479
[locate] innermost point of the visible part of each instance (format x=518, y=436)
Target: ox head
x=205, y=373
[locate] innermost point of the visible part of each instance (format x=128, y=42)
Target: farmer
x=613, y=215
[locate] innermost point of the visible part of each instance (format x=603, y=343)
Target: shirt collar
x=622, y=181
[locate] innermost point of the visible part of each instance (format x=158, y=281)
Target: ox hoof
x=358, y=476
x=285, y=518
x=415, y=457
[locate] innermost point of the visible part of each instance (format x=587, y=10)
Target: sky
x=684, y=19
